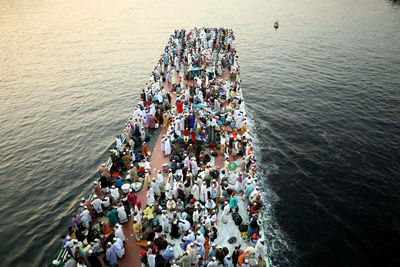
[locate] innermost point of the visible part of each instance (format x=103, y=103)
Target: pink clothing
x=98, y=191
x=106, y=173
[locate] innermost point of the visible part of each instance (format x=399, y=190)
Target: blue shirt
x=168, y=255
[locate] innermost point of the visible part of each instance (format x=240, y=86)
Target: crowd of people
x=194, y=94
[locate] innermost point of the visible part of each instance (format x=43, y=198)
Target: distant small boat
x=276, y=25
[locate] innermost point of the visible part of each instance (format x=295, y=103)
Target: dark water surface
x=323, y=94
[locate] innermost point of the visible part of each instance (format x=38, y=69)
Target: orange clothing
x=145, y=151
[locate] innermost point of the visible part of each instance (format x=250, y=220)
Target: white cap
x=69, y=238
x=113, y=186
x=171, y=249
x=94, y=196
x=90, y=251
x=246, y=260
x=148, y=243
x=109, y=243
x=56, y=262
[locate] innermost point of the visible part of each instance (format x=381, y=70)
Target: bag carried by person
x=243, y=228
x=237, y=218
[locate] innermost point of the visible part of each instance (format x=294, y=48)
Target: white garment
x=167, y=147
x=260, y=251
x=114, y=193
x=165, y=219
x=200, y=238
x=119, y=233
x=254, y=193
x=155, y=187
x=184, y=226
x=150, y=196
x=122, y=215
x=203, y=193
x=225, y=212
x=85, y=217
x=119, y=248
x=151, y=258
x=97, y=205
x=106, y=202
x=195, y=192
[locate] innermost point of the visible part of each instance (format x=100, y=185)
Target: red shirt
x=179, y=106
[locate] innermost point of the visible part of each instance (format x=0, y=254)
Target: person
x=70, y=261
x=165, y=221
x=235, y=256
x=260, y=250
x=111, y=254
x=105, y=171
x=115, y=194
x=96, y=203
x=151, y=258
x=233, y=202
x=212, y=263
x=167, y=147
x=220, y=255
x=85, y=216
x=126, y=159
x=76, y=220
x=145, y=151
x=148, y=212
x=175, y=229
x=132, y=198
x=225, y=211
x=119, y=247
x=93, y=259
x=147, y=181
x=119, y=233
x=97, y=189
x=112, y=216
x=246, y=263
x=186, y=260
x=123, y=218
x=137, y=229
x=212, y=251
x=171, y=204
x=228, y=261
x=97, y=247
